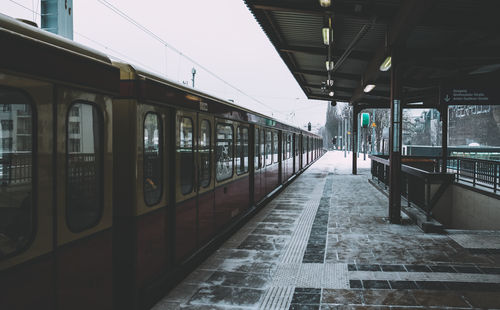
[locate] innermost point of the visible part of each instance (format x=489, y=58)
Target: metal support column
x=395, y=142
x=344, y=138
x=354, y=134
x=444, y=136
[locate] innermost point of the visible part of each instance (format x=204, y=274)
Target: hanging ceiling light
x=327, y=35
x=329, y=82
x=369, y=88
x=331, y=93
x=386, y=65
x=329, y=65
x=325, y=3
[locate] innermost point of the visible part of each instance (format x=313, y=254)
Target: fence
x=476, y=172
x=15, y=168
x=416, y=183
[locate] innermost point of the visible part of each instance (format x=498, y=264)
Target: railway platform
x=325, y=243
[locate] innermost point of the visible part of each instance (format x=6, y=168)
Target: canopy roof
x=437, y=40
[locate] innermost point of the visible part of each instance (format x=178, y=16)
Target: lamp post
x=193, y=72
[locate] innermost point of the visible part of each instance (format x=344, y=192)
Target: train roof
x=133, y=72
x=36, y=52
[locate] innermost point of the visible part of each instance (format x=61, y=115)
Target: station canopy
x=436, y=40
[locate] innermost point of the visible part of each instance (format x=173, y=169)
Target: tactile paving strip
x=278, y=298
x=331, y=276
x=298, y=242
x=335, y=276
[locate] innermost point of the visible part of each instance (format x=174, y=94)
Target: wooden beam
x=406, y=19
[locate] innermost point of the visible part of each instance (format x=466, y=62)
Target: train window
x=289, y=146
x=296, y=145
x=153, y=176
x=16, y=168
x=224, y=152
x=242, y=150
x=269, y=158
x=256, y=150
x=283, y=146
x=275, y=147
x=186, y=155
x=84, y=165
x=262, y=148
x=204, y=151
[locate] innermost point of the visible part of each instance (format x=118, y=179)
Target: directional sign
x=470, y=92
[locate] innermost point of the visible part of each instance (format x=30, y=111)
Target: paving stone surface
x=325, y=243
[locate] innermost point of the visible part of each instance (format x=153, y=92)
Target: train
x=116, y=182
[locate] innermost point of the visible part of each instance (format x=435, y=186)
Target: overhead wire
x=23, y=6
x=159, y=39
x=149, y=32
x=125, y=57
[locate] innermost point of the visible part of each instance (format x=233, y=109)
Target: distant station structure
x=389, y=54
x=57, y=17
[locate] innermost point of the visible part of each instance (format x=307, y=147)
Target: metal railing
x=478, y=173
x=15, y=168
x=416, y=183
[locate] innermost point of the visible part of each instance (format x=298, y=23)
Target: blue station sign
x=470, y=92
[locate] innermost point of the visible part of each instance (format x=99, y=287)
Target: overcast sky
x=220, y=35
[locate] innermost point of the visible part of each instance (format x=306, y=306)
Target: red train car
x=115, y=182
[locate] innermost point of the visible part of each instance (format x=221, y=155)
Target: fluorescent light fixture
x=329, y=82
x=325, y=3
x=369, y=88
x=386, y=65
x=329, y=65
x=331, y=93
x=327, y=35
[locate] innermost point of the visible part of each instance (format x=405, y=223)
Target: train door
x=185, y=187
x=294, y=153
x=151, y=207
x=307, y=151
x=283, y=157
x=84, y=199
x=26, y=198
x=301, y=152
x=194, y=210
x=257, y=164
x=205, y=179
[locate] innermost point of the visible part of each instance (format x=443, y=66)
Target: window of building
x=224, y=152
x=84, y=171
x=74, y=127
x=6, y=107
x=16, y=168
x=73, y=145
x=7, y=144
x=153, y=159
x=75, y=111
x=204, y=151
x=185, y=151
x=7, y=124
x=242, y=150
